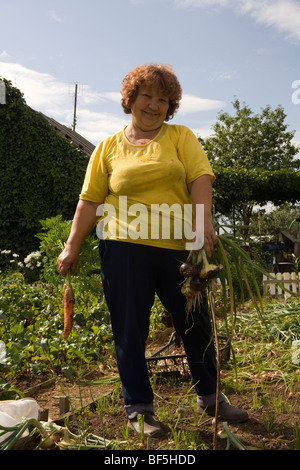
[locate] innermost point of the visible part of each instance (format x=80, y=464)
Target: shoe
x=228, y=413
x=152, y=428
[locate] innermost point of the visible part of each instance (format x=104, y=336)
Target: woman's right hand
x=84, y=220
x=68, y=260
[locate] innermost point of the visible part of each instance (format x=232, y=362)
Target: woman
x=149, y=165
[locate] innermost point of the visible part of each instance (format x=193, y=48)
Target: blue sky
x=219, y=49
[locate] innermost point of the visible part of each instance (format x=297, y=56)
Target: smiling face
x=149, y=109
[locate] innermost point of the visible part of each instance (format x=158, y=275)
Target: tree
x=254, y=160
x=280, y=218
x=41, y=173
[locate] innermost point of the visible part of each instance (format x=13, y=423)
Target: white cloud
x=283, y=15
x=201, y=3
x=224, y=75
x=194, y=104
x=4, y=55
x=203, y=132
x=55, y=98
x=112, y=96
x=95, y=126
x=54, y=16
x=41, y=90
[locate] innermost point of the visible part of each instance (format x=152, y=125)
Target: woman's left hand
x=210, y=238
x=201, y=193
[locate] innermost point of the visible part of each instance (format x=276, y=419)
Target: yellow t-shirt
x=144, y=187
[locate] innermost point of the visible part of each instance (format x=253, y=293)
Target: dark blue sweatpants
x=131, y=275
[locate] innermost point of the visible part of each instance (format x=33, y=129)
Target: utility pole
x=75, y=106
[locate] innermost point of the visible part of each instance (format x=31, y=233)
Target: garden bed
x=267, y=394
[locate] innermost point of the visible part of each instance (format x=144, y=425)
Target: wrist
x=73, y=246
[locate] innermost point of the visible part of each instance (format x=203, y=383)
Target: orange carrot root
x=69, y=301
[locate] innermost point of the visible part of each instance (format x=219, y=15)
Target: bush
x=54, y=234
x=41, y=173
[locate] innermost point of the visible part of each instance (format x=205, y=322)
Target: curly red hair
x=158, y=75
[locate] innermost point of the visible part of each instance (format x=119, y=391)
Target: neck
x=140, y=136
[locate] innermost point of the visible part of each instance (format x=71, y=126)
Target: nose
x=153, y=104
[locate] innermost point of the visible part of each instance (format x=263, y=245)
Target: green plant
x=188, y=440
x=256, y=403
x=296, y=433
x=32, y=322
x=140, y=419
x=41, y=173
x=125, y=431
x=232, y=439
x=9, y=392
x=52, y=434
x=269, y=421
x=9, y=261
x=53, y=235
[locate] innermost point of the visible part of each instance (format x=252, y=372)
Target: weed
x=270, y=424
x=125, y=431
x=256, y=402
x=188, y=440
x=165, y=414
x=277, y=403
x=296, y=432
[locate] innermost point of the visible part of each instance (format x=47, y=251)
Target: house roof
x=71, y=136
x=289, y=236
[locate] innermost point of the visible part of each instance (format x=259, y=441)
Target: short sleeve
x=193, y=156
x=95, y=185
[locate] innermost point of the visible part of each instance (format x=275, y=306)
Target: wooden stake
x=212, y=305
x=64, y=405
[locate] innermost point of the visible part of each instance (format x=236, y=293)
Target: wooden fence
x=290, y=281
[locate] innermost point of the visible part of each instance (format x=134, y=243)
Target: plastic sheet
x=13, y=411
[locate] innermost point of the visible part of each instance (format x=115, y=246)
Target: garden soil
x=266, y=429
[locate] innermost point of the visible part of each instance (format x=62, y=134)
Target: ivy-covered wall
x=41, y=174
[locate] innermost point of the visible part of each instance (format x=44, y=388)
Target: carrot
x=69, y=301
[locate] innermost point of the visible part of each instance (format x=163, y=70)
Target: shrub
x=41, y=173
x=53, y=236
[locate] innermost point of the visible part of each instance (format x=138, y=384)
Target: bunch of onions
x=199, y=275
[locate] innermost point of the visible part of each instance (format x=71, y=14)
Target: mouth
x=151, y=115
